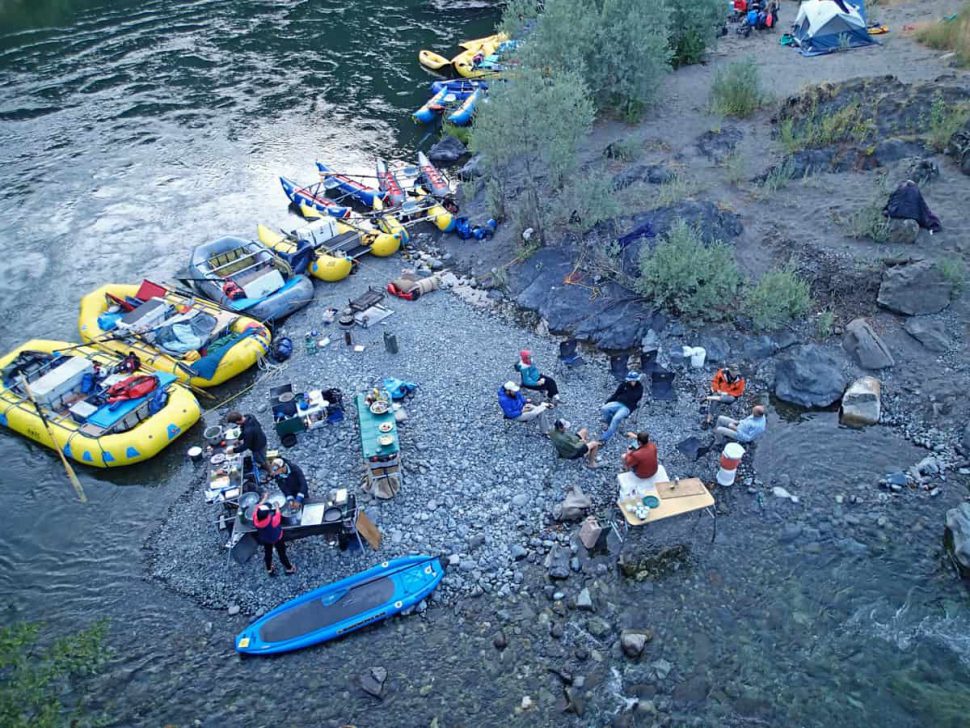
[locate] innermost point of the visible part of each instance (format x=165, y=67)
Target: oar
x=71, y=476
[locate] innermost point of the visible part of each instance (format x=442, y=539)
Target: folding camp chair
x=661, y=384
x=568, y=357
x=648, y=360
x=619, y=367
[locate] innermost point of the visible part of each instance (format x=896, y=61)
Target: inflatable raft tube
x=326, y=267
x=76, y=440
x=432, y=61
x=241, y=356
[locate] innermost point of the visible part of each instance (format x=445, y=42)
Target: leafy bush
x=736, y=89
x=954, y=272
x=778, y=176
x=35, y=679
x=868, y=222
x=686, y=276
x=461, y=133
x=825, y=323
x=694, y=25
x=585, y=200
x=779, y=297
x=516, y=15
x=814, y=129
x=943, y=121
x=949, y=34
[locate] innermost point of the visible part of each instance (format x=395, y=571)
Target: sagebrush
x=778, y=298
x=736, y=89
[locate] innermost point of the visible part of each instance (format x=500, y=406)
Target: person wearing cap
x=532, y=379
x=269, y=532
x=516, y=407
x=573, y=446
x=252, y=437
x=747, y=430
x=290, y=479
x=641, y=458
x=620, y=404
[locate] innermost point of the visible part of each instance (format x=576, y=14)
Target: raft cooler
x=730, y=460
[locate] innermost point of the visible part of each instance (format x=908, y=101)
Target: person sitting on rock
x=290, y=479
x=641, y=458
x=532, y=379
x=747, y=430
x=573, y=446
x=620, y=404
x=516, y=407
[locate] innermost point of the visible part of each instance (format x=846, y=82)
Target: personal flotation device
x=268, y=528
x=132, y=388
x=723, y=385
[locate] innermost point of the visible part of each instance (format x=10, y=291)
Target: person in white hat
x=516, y=407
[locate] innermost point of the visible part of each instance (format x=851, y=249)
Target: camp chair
x=648, y=360
x=148, y=290
x=568, y=358
x=619, y=367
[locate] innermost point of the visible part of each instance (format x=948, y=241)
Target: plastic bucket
x=696, y=354
x=730, y=460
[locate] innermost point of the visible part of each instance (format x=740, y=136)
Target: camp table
x=383, y=462
x=677, y=498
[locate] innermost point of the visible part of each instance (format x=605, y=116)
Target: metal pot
x=292, y=512
x=213, y=434
x=334, y=514
x=195, y=454
x=247, y=505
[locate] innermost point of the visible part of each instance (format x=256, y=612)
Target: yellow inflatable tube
x=432, y=61
x=243, y=354
x=114, y=449
x=326, y=267
x=492, y=40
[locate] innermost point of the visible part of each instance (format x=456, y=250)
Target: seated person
x=290, y=479
x=747, y=430
x=532, y=379
x=641, y=458
x=620, y=404
x=726, y=387
x=516, y=407
x=573, y=446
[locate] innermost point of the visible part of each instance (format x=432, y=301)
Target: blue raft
x=344, y=606
x=314, y=197
x=458, y=84
x=441, y=100
x=462, y=116
x=348, y=186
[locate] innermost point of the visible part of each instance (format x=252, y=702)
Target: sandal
x=291, y=571
x=271, y=571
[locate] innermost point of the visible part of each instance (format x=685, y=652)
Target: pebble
x=584, y=600
x=233, y=610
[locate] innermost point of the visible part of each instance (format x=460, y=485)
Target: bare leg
x=594, y=447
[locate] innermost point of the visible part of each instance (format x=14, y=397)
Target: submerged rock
x=957, y=537
x=861, y=402
x=809, y=376
x=915, y=288
x=869, y=351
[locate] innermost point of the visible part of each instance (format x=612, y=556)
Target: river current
x=132, y=131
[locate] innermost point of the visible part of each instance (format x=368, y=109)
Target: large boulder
x=930, y=334
x=655, y=174
x=865, y=345
x=860, y=403
x=915, y=288
x=809, y=376
x=447, y=151
x=902, y=232
x=472, y=168
x=957, y=537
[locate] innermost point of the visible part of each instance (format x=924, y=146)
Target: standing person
x=269, y=532
x=532, y=379
x=252, y=438
x=642, y=458
x=516, y=407
x=573, y=446
x=747, y=430
x=620, y=404
x=290, y=479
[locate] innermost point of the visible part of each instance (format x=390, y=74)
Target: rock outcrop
x=865, y=345
x=915, y=288
x=809, y=376
x=930, y=334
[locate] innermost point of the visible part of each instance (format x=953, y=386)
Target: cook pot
x=213, y=434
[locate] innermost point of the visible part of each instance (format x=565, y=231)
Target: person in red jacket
x=269, y=533
x=643, y=459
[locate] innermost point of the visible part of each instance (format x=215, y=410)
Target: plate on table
x=385, y=426
x=379, y=408
x=651, y=501
x=385, y=440
x=218, y=458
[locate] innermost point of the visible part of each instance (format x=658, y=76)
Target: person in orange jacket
x=726, y=387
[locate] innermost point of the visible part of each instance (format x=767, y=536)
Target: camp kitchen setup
x=296, y=412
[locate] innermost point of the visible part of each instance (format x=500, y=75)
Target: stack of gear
x=906, y=203
x=410, y=287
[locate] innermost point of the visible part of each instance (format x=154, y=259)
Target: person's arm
x=744, y=428
x=303, y=489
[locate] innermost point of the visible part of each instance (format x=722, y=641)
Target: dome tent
x=825, y=26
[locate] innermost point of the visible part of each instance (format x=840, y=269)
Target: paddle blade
x=378, y=203
x=310, y=213
x=72, y=476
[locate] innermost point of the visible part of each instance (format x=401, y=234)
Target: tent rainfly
x=825, y=26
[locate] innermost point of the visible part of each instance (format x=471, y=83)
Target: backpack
x=282, y=349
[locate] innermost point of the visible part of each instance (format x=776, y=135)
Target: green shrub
x=815, y=129
x=676, y=189
x=869, y=223
x=825, y=323
x=943, y=121
x=586, y=200
x=625, y=150
x=461, y=133
x=954, y=272
x=779, y=297
x=778, y=176
x=694, y=25
x=515, y=15
x=687, y=277
x=949, y=34
x=736, y=89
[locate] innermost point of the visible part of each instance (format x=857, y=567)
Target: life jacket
x=770, y=20
x=721, y=384
x=233, y=291
x=132, y=388
x=268, y=529
x=131, y=363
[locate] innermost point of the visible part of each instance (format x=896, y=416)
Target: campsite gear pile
x=296, y=412
x=906, y=203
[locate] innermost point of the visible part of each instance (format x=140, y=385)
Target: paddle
x=71, y=476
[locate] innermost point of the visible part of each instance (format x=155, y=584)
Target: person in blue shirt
x=516, y=407
x=532, y=379
x=747, y=430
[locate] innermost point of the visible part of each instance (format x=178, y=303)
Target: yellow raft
x=326, y=267
x=435, y=62
x=190, y=367
x=91, y=435
x=432, y=61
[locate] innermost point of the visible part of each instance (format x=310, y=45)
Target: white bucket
x=696, y=354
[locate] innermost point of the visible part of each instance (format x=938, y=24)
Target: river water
x=130, y=132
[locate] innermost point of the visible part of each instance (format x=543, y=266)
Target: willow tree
x=529, y=134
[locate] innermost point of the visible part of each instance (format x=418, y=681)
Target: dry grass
x=949, y=34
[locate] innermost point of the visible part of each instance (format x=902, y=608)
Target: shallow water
x=130, y=132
